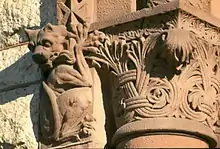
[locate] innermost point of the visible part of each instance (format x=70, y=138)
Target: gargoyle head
x=50, y=46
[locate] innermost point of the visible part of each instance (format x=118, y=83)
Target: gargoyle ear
x=31, y=34
x=32, y=37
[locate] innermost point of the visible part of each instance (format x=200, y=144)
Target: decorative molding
x=202, y=28
x=169, y=126
x=154, y=3
x=203, y=5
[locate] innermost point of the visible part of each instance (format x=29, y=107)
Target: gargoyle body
x=65, y=97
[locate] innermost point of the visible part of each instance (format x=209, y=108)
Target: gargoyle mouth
x=40, y=58
x=64, y=57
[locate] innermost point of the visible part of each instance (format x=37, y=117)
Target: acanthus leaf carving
x=203, y=5
x=160, y=73
x=170, y=73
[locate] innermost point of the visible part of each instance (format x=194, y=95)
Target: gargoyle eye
x=46, y=43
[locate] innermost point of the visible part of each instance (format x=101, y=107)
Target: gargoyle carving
x=66, y=97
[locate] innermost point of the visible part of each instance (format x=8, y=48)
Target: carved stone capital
x=170, y=73
x=169, y=69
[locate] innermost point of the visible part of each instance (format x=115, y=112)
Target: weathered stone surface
x=47, y=11
x=19, y=99
x=215, y=8
x=84, y=8
x=107, y=9
x=15, y=14
x=99, y=136
x=17, y=67
x=19, y=118
x=163, y=141
x=203, y=5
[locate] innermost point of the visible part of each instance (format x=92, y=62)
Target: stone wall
x=19, y=76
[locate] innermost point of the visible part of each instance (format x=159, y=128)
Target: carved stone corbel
x=66, y=100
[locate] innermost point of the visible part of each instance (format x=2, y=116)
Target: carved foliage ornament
x=203, y=5
x=169, y=73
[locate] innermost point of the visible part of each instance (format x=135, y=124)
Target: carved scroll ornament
x=170, y=73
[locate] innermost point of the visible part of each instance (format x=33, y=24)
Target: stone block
x=16, y=14
x=17, y=67
x=93, y=10
x=108, y=9
x=19, y=118
x=84, y=8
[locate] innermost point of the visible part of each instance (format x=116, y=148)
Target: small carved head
x=50, y=45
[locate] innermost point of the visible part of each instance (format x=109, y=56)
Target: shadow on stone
x=19, y=89
x=19, y=100
x=48, y=12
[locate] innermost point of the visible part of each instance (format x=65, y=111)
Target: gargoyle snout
x=40, y=55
